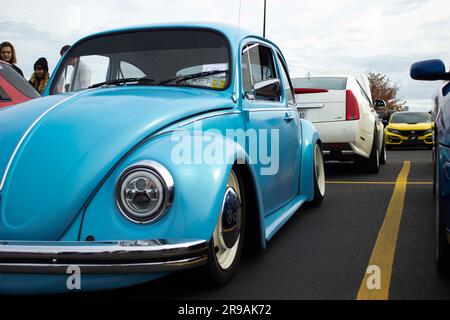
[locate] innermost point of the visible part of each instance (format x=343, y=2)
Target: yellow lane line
x=379, y=182
x=377, y=280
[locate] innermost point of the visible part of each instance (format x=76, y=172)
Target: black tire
x=442, y=246
x=371, y=165
x=434, y=157
x=383, y=154
x=213, y=272
x=319, y=170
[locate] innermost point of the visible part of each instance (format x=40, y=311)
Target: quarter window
x=127, y=70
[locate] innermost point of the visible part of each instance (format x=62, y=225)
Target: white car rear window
x=327, y=83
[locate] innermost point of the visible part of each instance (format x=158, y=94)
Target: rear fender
x=310, y=137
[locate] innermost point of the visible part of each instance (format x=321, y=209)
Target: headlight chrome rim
x=151, y=170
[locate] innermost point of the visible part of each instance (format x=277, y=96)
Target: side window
x=257, y=66
x=286, y=82
x=127, y=70
x=3, y=95
x=65, y=80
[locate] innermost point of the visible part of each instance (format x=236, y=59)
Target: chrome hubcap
x=226, y=236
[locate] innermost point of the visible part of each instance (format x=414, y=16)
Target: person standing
x=40, y=77
x=8, y=54
x=64, y=49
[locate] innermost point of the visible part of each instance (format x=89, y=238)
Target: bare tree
x=382, y=88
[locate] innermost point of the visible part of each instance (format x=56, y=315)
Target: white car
x=341, y=109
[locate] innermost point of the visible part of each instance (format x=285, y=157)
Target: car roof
x=234, y=33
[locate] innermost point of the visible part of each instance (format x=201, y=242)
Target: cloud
x=317, y=36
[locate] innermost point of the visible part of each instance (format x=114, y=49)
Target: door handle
x=288, y=117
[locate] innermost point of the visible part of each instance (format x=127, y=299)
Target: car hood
x=62, y=147
x=406, y=126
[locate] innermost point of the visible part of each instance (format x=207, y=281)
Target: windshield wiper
x=123, y=81
x=192, y=76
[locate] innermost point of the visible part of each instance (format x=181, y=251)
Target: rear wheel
x=226, y=244
x=319, y=177
x=371, y=165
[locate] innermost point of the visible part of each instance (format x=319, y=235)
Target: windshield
x=168, y=57
x=330, y=83
x=411, y=117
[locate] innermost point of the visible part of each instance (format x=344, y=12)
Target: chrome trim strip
x=102, y=257
x=212, y=115
x=104, y=268
x=310, y=105
x=270, y=109
x=22, y=139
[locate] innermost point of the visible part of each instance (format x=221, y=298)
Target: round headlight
x=144, y=192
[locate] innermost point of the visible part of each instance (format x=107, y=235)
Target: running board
x=276, y=220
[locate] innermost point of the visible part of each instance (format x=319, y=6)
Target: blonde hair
x=13, y=51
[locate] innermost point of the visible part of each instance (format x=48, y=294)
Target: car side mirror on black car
x=429, y=70
x=268, y=90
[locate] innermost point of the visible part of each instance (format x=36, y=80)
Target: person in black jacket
x=40, y=77
x=8, y=54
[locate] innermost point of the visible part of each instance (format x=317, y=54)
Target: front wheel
x=442, y=247
x=226, y=244
x=319, y=177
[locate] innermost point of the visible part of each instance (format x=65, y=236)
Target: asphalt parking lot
x=323, y=253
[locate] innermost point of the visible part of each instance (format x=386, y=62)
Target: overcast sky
x=317, y=36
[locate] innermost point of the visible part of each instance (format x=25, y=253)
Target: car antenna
x=264, y=20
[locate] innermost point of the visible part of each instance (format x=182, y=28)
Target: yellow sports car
x=410, y=129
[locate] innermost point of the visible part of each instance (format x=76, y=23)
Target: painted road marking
x=417, y=183
x=384, y=250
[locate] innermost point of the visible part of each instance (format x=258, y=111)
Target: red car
x=13, y=87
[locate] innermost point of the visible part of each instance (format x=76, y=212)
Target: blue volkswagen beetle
x=154, y=149
x=431, y=70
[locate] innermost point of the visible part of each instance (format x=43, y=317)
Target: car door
x=274, y=121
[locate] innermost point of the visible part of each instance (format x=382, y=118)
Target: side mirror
x=429, y=70
x=380, y=104
x=268, y=90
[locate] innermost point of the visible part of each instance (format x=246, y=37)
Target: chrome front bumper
x=109, y=257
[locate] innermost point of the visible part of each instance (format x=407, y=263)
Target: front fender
x=199, y=190
x=310, y=137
